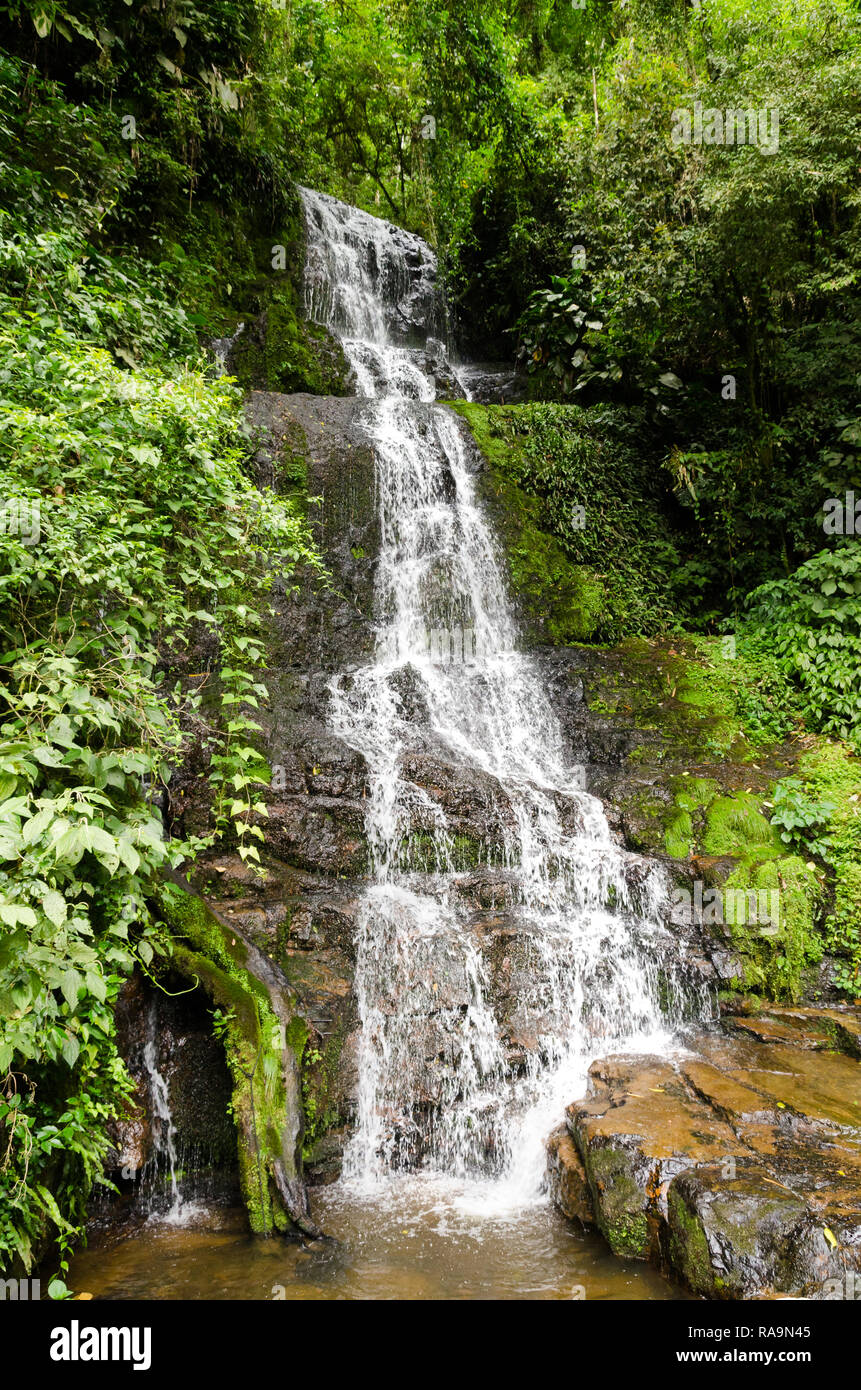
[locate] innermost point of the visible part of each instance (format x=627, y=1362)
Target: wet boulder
x=737, y=1163
x=566, y=1178
x=733, y=1237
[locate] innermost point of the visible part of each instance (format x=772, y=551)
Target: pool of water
x=413, y=1239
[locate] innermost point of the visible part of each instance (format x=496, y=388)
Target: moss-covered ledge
x=701, y=781
x=581, y=515
x=558, y=601
x=280, y=351
x=263, y=1040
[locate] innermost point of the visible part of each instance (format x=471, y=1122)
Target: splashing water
x=449, y=1080
x=179, y=1211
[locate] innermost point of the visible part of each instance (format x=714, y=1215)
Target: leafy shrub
x=812, y=621
x=130, y=528
x=801, y=820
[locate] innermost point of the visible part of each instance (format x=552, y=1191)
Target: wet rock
x=318, y=624
x=734, y=1237
x=566, y=1178
x=487, y=888
x=191, y=1062
x=324, y=1160
x=474, y=803
x=841, y=1025
x=324, y=834
x=639, y=1128
x=738, y=1163
x=492, y=383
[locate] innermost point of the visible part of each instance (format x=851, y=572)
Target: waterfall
x=445, y=1084
x=164, y=1130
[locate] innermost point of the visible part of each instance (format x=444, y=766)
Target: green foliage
x=800, y=820
x=812, y=621
x=713, y=286
x=131, y=533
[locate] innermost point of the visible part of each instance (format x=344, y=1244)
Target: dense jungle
x=430, y=675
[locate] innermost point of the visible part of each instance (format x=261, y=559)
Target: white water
x=164, y=1130
x=437, y=1084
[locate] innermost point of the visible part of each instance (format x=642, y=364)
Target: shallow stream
x=416, y=1239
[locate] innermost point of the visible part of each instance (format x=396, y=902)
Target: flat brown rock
x=726, y=1096
x=773, y=1030
x=844, y=1024
x=737, y=1162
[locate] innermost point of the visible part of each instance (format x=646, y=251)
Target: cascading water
x=441, y=1086
x=165, y=1155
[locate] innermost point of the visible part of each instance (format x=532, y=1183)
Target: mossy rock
x=280, y=351
x=775, y=956
x=262, y=1049
x=228, y=269
x=558, y=602
x=733, y=1237
x=320, y=1089
x=677, y=694
x=724, y=839
x=420, y=853
x=831, y=773
x=736, y=825
x=621, y=1208
x=581, y=478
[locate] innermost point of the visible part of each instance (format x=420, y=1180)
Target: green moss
x=420, y=853
x=560, y=601
x=678, y=689
x=735, y=825
x=291, y=462
x=742, y=853
x=296, y=1035
x=576, y=506
x=686, y=694
x=618, y=1202
x=225, y=270
x=678, y=833
x=282, y=352
x=694, y=793
x=701, y=702
x=832, y=773
x=207, y=953
x=684, y=821
x=320, y=1088
x=775, y=955
x=689, y=1249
